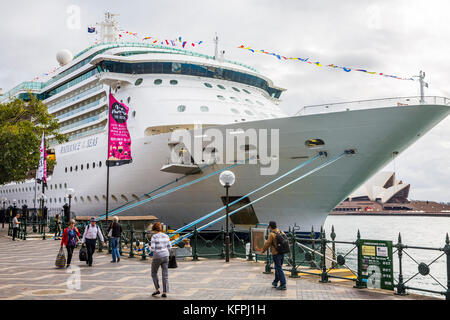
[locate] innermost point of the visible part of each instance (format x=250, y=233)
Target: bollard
x=294, y=273
x=144, y=238
x=333, y=247
x=131, y=255
x=313, y=246
x=194, y=249
x=250, y=253
x=447, y=252
x=359, y=283
x=401, y=290
x=323, y=246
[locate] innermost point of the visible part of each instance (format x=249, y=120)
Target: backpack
x=282, y=246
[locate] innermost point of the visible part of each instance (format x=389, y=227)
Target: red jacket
x=65, y=238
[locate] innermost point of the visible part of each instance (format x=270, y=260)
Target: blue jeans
x=115, y=248
x=279, y=274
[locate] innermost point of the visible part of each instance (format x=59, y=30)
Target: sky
x=398, y=37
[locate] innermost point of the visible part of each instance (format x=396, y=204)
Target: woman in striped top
x=160, y=245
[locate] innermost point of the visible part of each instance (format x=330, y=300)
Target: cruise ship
x=169, y=90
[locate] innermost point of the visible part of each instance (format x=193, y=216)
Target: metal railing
x=374, y=103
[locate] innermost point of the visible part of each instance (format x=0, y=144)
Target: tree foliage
x=21, y=126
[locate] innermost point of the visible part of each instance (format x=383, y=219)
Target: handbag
x=83, y=253
x=110, y=231
x=172, y=261
x=60, y=259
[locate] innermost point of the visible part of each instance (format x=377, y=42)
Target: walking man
x=277, y=242
x=15, y=226
x=90, y=235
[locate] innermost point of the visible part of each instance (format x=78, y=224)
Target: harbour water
x=415, y=231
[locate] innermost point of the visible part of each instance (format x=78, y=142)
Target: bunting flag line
x=317, y=63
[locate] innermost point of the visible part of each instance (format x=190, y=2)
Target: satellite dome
x=64, y=56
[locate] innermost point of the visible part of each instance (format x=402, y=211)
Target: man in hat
x=91, y=232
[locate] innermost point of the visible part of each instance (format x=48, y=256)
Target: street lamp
x=42, y=198
x=69, y=194
x=227, y=179
x=4, y=211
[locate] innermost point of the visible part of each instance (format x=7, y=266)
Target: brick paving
x=27, y=271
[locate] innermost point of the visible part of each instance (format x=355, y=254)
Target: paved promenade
x=27, y=271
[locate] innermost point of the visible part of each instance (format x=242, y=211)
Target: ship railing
x=374, y=103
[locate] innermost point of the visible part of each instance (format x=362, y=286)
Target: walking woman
x=57, y=226
x=115, y=229
x=160, y=245
x=70, y=239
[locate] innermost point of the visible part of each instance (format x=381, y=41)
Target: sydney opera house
x=383, y=193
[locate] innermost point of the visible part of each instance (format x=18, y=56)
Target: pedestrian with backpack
x=279, y=246
x=91, y=232
x=70, y=240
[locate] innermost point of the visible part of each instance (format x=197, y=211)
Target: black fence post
x=323, y=246
x=144, y=238
x=25, y=229
x=447, y=252
x=294, y=273
x=333, y=246
x=131, y=255
x=401, y=290
x=313, y=247
x=359, y=283
x=194, y=249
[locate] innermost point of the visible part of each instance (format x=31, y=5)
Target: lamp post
x=69, y=194
x=227, y=179
x=4, y=211
x=42, y=198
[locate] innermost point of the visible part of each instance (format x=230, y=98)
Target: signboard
x=119, y=144
x=375, y=259
x=258, y=237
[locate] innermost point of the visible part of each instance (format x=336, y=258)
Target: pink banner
x=119, y=144
x=41, y=173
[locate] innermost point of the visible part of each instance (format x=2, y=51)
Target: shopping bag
x=83, y=253
x=60, y=259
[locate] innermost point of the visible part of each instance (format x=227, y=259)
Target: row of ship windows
x=75, y=199
x=29, y=189
x=182, y=108
x=75, y=168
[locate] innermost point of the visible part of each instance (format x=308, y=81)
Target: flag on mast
x=41, y=173
x=119, y=142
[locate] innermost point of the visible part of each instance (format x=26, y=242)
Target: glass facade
x=189, y=69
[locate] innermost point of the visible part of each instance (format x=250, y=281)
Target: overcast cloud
x=395, y=37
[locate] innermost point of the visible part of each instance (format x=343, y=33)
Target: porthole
x=138, y=82
x=249, y=112
x=81, y=167
x=312, y=143
x=236, y=89
x=208, y=85
x=96, y=199
x=89, y=198
x=93, y=165
x=181, y=108
x=60, y=186
x=221, y=97
x=99, y=164
x=66, y=169
x=204, y=109
x=234, y=99
x=81, y=199
x=221, y=86
x=173, y=82
x=65, y=185
x=87, y=166
x=128, y=99
x=56, y=186
x=260, y=103
x=249, y=101
x=157, y=81
x=124, y=198
x=70, y=169
x=134, y=114
x=235, y=110
x=246, y=91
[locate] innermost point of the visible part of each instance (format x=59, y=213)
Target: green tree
x=21, y=126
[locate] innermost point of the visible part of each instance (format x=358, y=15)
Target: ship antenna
x=216, y=47
x=423, y=84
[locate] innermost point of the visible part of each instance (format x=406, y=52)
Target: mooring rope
x=323, y=165
x=247, y=195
